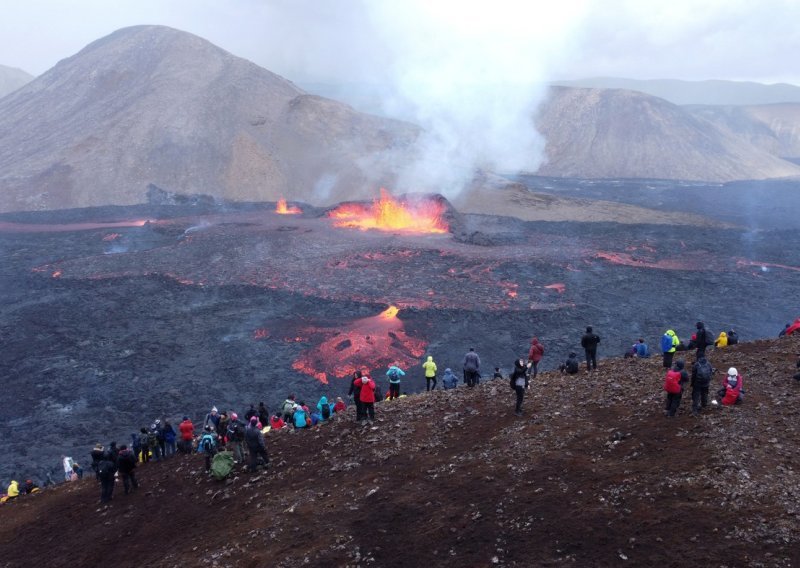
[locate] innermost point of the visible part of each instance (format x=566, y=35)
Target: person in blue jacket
x=449, y=381
x=300, y=415
x=394, y=373
x=641, y=349
x=324, y=409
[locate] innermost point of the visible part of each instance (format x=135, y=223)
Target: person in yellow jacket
x=669, y=342
x=722, y=340
x=13, y=489
x=430, y=373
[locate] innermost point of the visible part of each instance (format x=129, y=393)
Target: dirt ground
x=592, y=474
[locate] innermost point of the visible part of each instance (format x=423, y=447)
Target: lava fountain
x=389, y=214
x=282, y=209
x=369, y=343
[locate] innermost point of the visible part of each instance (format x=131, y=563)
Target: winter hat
x=234, y=416
x=699, y=325
x=158, y=421
x=732, y=372
x=588, y=329
x=213, y=409
x=253, y=419
x=186, y=418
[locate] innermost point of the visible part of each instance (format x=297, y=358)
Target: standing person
x=703, y=340
x=394, y=373
x=212, y=418
x=589, y=342
x=208, y=445
x=701, y=379
x=96, y=454
x=430, y=374
x=449, y=380
x=355, y=394
x=169, y=439
x=156, y=438
x=519, y=382
x=222, y=428
x=236, y=434
x=106, y=469
x=669, y=343
x=126, y=463
x=472, y=367
x=535, y=355
x=250, y=412
x=263, y=414
x=187, y=435
x=255, y=445
x=67, y=462
x=144, y=445
x=673, y=384
x=367, y=396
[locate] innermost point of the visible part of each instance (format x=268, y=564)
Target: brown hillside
x=613, y=133
x=151, y=104
x=592, y=475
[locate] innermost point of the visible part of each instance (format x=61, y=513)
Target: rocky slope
x=608, y=133
x=592, y=474
x=151, y=104
x=12, y=79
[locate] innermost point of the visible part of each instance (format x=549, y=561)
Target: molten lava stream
x=388, y=214
x=282, y=209
x=372, y=343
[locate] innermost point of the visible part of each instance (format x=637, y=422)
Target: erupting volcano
x=389, y=214
x=370, y=343
x=282, y=209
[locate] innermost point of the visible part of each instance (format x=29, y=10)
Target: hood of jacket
x=670, y=333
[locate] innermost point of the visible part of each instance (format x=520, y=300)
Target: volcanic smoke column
x=370, y=343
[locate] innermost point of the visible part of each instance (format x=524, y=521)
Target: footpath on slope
x=593, y=474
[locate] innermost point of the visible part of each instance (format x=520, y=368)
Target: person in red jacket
x=731, y=391
x=339, y=406
x=276, y=422
x=186, y=429
x=673, y=385
x=535, y=355
x=367, y=396
x=794, y=327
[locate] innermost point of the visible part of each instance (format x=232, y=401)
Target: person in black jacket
x=255, y=444
x=589, y=342
x=126, y=463
x=263, y=414
x=96, y=455
x=519, y=382
x=472, y=368
x=704, y=339
x=355, y=396
x=702, y=372
x=106, y=468
x=733, y=337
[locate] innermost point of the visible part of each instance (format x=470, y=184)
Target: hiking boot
x=518, y=412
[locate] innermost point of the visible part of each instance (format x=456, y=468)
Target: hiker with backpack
x=589, y=342
x=472, y=368
x=207, y=445
x=571, y=366
x=673, y=385
x=255, y=445
x=669, y=344
x=288, y=407
x=324, y=409
x=355, y=394
x=703, y=340
x=519, y=383
x=106, y=469
x=301, y=417
x=126, y=463
x=449, y=379
x=702, y=372
x=535, y=355
x=394, y=373
x=430, y=374
x=235, y=435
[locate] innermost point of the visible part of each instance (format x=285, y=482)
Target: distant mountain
x=712, y=92
x=151, y=104
x=612, y=133
x=12, y=79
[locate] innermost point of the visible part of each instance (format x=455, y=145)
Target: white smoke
x=472, y=75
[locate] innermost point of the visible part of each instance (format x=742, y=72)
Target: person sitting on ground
x=430, y=374
x=207, y=445
x=722, y=340
x=783, y=331
x=630, y=353
x=731, y=392
x=571, y=365
x=301, y=416
x=29, y=487
x=186, y=429
x=641, y=349
x=276, y=422
x=77, y=472
x=794, y=327
x=673, y=385
x=339, y=406
x=733, y=337
x=449, y=379
x=394, y=373
x=535, y=355
x=497, y=373
x=13, y=489
x=519, y=382
x=288, y=408
x=324, y=409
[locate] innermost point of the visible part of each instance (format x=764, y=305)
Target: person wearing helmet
x=731, y=391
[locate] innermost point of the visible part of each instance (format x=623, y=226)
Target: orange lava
x=558, y=287
x=372, y=343
x=282, y=209
x=389, y=214
x=260, y=333
x=57, y=274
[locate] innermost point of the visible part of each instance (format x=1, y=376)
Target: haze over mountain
x=710, y=92
x=12, y=79
x=150, y=104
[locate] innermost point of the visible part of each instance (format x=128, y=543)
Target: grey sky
x=354, y=40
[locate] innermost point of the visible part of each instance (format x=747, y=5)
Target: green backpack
x=222, y=465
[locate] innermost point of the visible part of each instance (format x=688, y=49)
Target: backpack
x=572, y=365
x=704, y=372
x=326, y=411
x=288, y=407
x=105, y=468
x=207, y=444
x=672, y=382
x=222, y=465
x=666, y=343
x=393, y=376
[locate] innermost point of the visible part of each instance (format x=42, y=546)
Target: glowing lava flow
x=282, y=209
x=372, y=343
x=388, y=214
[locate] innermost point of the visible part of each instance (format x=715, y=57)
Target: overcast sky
x=356, y=40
